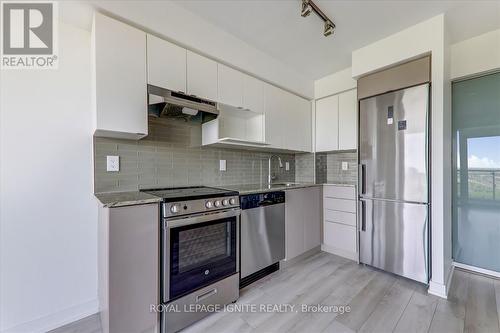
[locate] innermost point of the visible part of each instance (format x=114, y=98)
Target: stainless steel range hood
x=165, y=103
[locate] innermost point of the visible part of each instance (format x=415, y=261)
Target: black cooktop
x=189, y=193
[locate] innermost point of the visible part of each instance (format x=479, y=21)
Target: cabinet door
x=304, y=131
x=274, y=119
x=119, y=64
x=253, y=94
x=291, y=122
x=131, y=268
x=294, y=223
x=296, y=123
x=166, y=64
x=348, y=123
x=312, y=220
x=340, y=237
x=327, y=124
x=201, y=76
x=230, y=88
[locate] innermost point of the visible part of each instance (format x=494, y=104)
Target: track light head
x=329, y=28
x=306, y=8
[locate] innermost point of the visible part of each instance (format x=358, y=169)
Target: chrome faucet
x=269, y=178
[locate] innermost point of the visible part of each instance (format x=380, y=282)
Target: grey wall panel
x=405, y=75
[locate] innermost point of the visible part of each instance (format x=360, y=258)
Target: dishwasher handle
x=265, y=203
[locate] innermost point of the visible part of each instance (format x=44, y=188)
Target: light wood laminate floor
x=379, y=302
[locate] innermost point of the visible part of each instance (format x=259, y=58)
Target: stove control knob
x=217, y=203
x=232, y=201
x=175, y=208
x=209, y=204
x=225, y=202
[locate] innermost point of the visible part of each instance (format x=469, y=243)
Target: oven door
x=198, y=250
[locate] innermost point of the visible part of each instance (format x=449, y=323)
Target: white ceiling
x=276, y=27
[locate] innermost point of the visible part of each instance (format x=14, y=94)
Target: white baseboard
x=477, y=270
x=439, y=289
x=339, y=252
x=57, y=319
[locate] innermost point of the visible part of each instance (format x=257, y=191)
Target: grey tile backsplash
x=326, y=167
x=172, y=155
x=334, y=172
x=304, y=168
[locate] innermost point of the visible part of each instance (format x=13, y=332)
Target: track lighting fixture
x=308, y=6
x=329, y=28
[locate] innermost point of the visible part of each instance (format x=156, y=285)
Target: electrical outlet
x=112, y=163
x=345, y=166
x=222, y=165
x=287, y=166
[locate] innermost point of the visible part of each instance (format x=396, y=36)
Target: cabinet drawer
x=340, y=217
x=340, y=236
x=340, y=192
x=342, y=205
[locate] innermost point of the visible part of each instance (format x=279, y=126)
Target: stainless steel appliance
x=199, y=252
x=170, y=104
x=262, y=234
x=393, y=182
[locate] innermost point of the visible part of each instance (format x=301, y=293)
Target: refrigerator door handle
x=361, y=178
x=362, y=214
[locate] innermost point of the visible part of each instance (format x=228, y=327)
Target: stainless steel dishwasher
x=262, y=235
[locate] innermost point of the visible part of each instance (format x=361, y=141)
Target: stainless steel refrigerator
x=394, y=182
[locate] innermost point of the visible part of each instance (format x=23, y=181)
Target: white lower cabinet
x=340, y=221
x=302, y=220
x=340, y=236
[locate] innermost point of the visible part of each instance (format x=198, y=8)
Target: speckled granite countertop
x=119, y=199
x=260, y=188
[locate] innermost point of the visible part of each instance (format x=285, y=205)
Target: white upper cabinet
x=275, y=113
x=253, y=94
x=297, y=122
x=166, y=64
x=240, y=90
x=327, y=118
x=119, y=70
x=201, y=76
x=230, y=89
x=348, y=120
x=288, y=120
x=336, y=122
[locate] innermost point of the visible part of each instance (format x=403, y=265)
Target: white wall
x=334, y=83
x=173, y=22
x=426, y=37
x=48, y=215
x=476, y=55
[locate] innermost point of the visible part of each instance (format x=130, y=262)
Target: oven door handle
x=183, y=221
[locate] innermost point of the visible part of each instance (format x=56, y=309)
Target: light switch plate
x=112, y=163
x=345, y=166
x=222, y=165
x=287, y=166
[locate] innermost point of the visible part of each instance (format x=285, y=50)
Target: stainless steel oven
x=198, y=250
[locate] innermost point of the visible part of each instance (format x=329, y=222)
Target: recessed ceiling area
x=276, y=27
